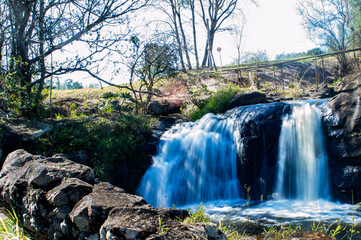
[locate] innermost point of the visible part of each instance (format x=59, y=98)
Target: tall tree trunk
x=176, y=31
x=41, y=53
x=194, y=33
x=185, y=45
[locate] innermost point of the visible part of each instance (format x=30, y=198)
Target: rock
x=242, y=99
x=173, y=213
x=349, y=83
x=69, y=192
x=56, y=198
x=309, y=235
x=157, y=108
x=343, y=126
x=89, y=213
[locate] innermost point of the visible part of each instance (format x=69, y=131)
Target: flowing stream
x=197, y=162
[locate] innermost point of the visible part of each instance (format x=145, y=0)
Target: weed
x=161, y=228
x=198, y=215
x=219, y=103
x=11, y=228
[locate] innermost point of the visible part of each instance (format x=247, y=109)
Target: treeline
x=40, y=39
x=311, y=52
x=118, y=39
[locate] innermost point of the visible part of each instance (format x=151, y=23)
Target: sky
x=273, y=26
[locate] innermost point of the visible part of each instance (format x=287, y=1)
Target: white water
x=302, y=158
x=196, y=162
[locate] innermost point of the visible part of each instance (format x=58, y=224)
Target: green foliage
x=282, y=232
x=161, y=228
x=198, y=215
x=219, y=103
x=11, y=228
x=107, y=142
x=17, y=98
x=231, y=232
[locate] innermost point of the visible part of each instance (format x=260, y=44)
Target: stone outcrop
x=243, y=99
x=344, y=140
x=56, y=198
x=164, y=108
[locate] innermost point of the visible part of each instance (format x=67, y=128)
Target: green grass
x=11, y=228
x=108, y=142
x=219, y=103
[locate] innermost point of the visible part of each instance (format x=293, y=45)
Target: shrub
x=219, y=103
x=107, y=142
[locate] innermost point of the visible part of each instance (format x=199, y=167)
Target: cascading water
x=196, y=162
x=302, y=158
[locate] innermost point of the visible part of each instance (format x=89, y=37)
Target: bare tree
x=214, y=13
x=237, y=33
x=195, y=45
x=40, y=28
x=327, y=22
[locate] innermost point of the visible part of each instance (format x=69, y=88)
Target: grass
x=108, y=142
x=219, y=103
x=11, y=228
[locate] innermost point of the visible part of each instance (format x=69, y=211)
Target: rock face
x=56, y=198
x=243, y=99
x=258, y=128
x=344, y=140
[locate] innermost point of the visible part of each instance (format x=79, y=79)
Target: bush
x=107, y=142
x=219, y=103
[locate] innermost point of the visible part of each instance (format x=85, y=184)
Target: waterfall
x=195, y=162
x=302, y=159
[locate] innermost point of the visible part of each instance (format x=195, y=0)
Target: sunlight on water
x=196, y=162
x=286, y=211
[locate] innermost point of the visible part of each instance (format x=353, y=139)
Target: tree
x=328, y=23
x=214, y=13
x=257, y=57
x=151, y=62
x=355, y=22
x=237, y=33
x=39, y=28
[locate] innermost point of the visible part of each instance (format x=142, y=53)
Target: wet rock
x=343, y=125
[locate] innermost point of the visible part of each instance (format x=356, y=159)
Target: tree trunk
x=194, y=33
x=41, y=53
x=185, y=45
x=176, y=31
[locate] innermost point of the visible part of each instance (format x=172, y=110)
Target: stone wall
x=56, y=198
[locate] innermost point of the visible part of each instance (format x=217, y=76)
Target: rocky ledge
x=56, y=198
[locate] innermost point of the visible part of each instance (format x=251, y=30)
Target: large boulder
x=243, y=99
x=56, y=198
x=344, y=139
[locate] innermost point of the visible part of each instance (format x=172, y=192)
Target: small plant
x=282, y=232
x=231, y=232
x=198, y=215
x=219, y=103
x=161, y=228
x=10, y=228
